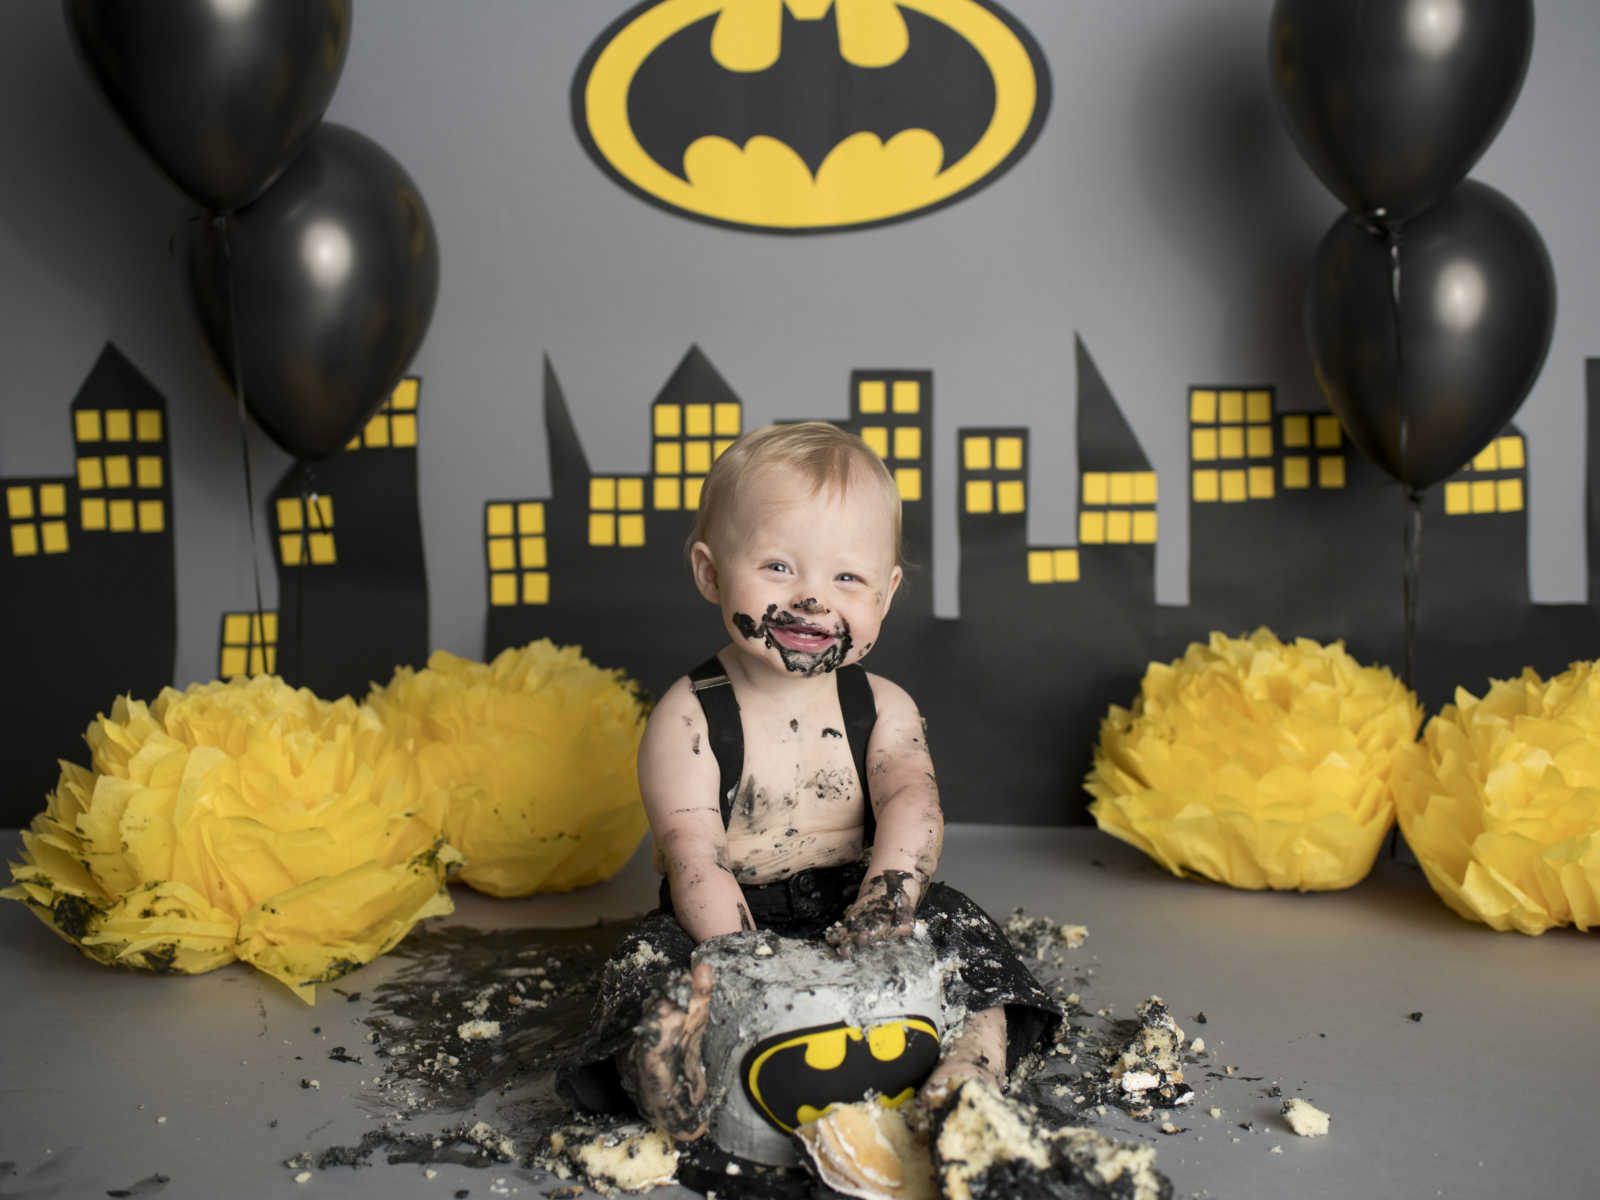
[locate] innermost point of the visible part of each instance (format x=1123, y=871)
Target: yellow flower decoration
x=1501, y=802
x=1255, y=763
x=241, y=820
x=538, y=752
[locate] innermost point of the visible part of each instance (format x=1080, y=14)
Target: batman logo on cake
x=807, y=116
x=792, y=1077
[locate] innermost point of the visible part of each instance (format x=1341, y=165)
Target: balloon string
x=1411, y=586
x=313, y=523
x=258, y=626
x=1413, y=579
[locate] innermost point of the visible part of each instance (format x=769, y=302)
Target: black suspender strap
x=860, y=715
x=714, y=690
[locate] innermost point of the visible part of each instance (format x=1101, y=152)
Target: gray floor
x=109, y=1079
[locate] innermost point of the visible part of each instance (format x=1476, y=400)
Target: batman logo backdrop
x=792, y=1077
x=809, y=116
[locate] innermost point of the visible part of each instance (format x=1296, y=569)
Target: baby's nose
x=811, y=606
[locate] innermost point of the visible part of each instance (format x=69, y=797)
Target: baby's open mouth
x=810, y=639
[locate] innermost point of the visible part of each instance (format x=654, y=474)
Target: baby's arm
x=905, y=801
x=679, y=778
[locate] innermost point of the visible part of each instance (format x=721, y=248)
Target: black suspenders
x=715, y=692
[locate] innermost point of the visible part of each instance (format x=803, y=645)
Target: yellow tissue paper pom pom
x=537, y=750
x=1500, y=802
x=243, y=820
x=1255, y=763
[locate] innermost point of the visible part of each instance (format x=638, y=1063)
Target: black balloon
x=1426, y=341
x=333, y=273
x=1393, y=101
x=220, y=93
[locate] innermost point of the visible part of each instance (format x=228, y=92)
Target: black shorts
x=657, y=951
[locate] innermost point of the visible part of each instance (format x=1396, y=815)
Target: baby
x=786, y=787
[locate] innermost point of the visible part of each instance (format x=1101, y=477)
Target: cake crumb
x=1305, y=1119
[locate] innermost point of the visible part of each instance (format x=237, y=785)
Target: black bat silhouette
x=810, y=99
x=779, y=1082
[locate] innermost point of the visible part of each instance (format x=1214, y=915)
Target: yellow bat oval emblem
x=810, y=116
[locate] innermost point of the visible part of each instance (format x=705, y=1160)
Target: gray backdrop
x=1163, y=214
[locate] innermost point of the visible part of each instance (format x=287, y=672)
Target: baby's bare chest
x=799, y=802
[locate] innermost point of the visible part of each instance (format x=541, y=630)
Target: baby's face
x=804, y=578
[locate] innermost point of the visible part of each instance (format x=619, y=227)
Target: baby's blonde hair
x=821, y=452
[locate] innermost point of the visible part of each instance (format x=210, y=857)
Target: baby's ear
x=704, y=566
x=895, y=576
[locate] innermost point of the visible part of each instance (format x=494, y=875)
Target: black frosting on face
x=802, y=662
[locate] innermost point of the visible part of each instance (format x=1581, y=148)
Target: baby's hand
x=885, y=908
